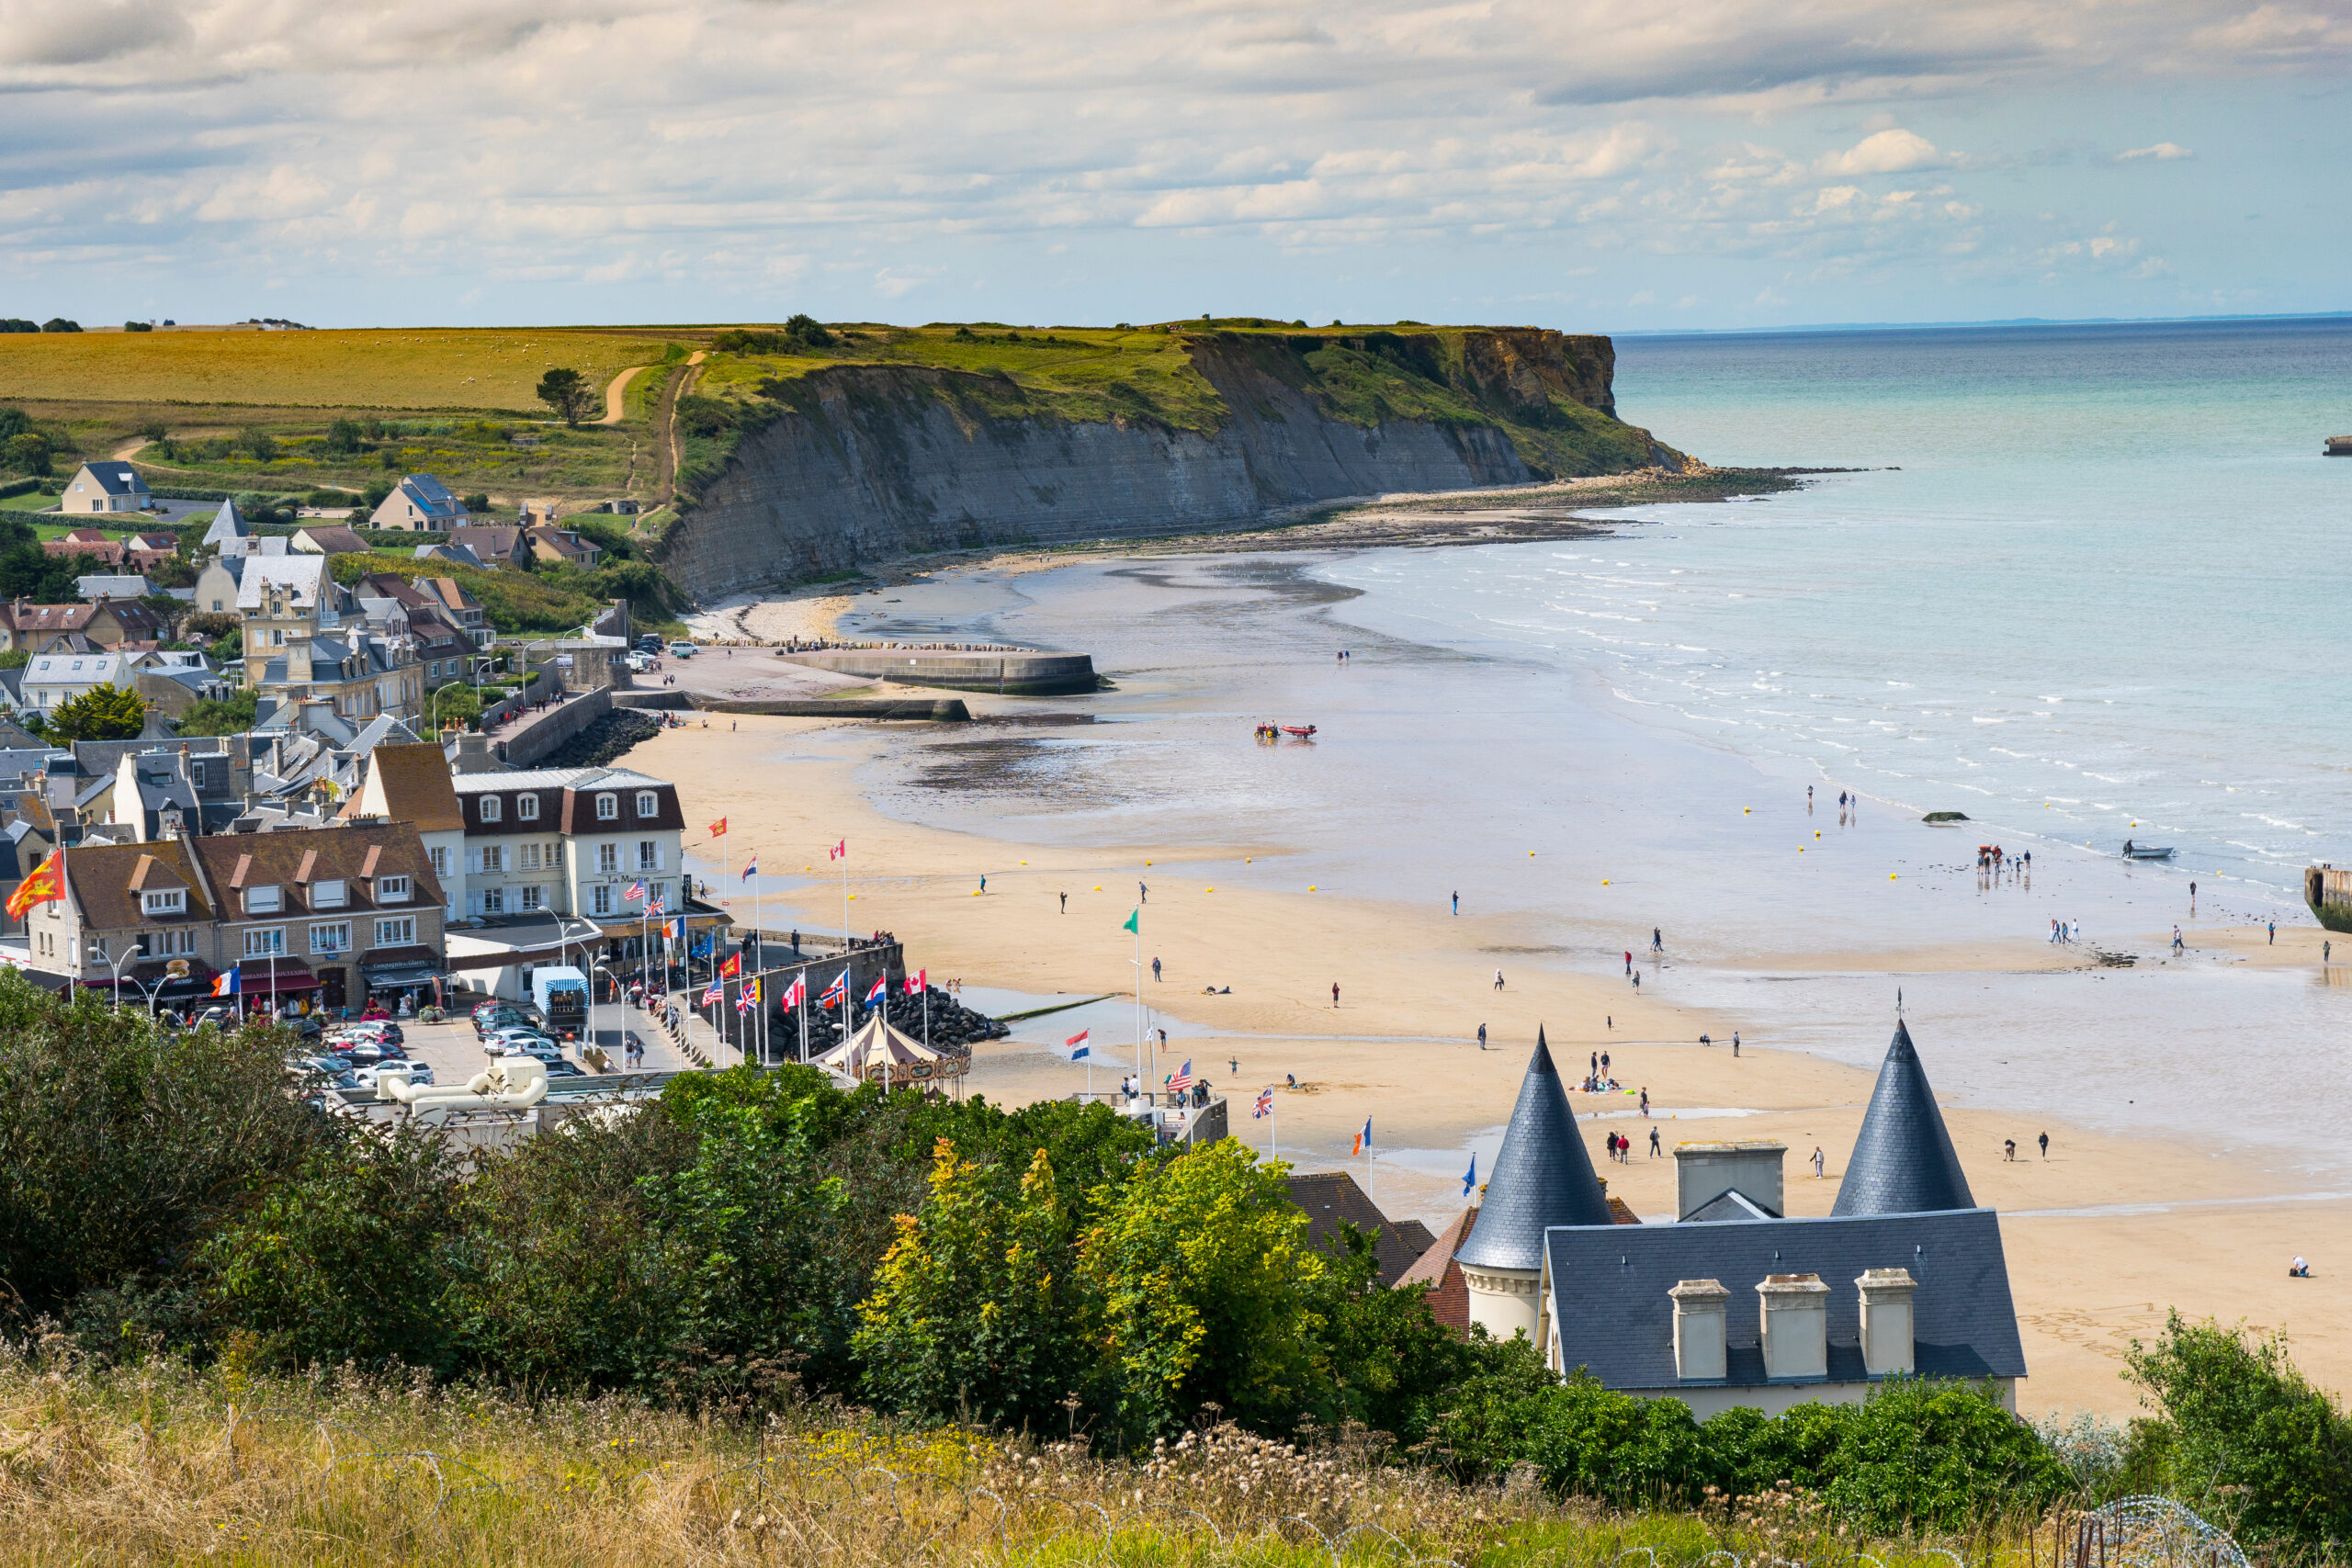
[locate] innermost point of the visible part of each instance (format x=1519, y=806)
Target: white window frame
x=648, y=803
x=608, y=859
x=439, y=855
x=490, y=810
x=533, y=900
x=601, y=898
x=265, y=941
x=493, y=900
x=392, y=889
x=608, y=808
x=330, y=893
x=331, y=939
x=164, y=901
x=265, y=899
x=396, y=932
x=527, y=807
x=649, y=854
x=493, y=858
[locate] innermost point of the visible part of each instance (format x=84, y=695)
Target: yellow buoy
x=1024, y=862
x=1208, y=889
x=1816, y=833
x=1890, y=876
x=1746, y=811
x=1800, y=848
x=1604, y=882
x=1311, y=887
x=1098, y=888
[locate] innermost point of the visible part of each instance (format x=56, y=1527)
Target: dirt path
x=616, y=395
x=666, y=425
x=127, y=450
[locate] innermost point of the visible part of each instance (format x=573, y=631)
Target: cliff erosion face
x=864, y=462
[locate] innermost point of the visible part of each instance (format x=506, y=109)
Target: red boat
x=1305, y=732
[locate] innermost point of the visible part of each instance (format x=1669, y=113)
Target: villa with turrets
x=1904, y=1277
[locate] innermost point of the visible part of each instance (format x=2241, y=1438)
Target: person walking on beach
x=1657, y=940
x=1656, y=1152
x=2274, y=933
x=2192, y=897
x=984, y=883
x=1637, y=982
x=2046, y=1146
x=2175, y=941
x=1499, y=979
x=1604, y=1065
x=1155, y=969
x=2325, y=949
x=1596, y=1065
x=1629, y=961
x=1734, y=1043
x=1645, y=1099
x=1065, y=903
x=1482, y=1037
x=1143, y=893
x=1457, y=901
x=1335, y=993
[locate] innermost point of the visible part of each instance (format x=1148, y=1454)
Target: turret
x=1543, y=1178
x=1903, y=1161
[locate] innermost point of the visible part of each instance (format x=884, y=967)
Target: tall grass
x=157, y=1461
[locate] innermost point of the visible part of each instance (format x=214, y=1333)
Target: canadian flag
x=839, y=851
x=796, y=993
x=917, y=981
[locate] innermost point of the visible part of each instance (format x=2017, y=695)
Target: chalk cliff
x=853, y=463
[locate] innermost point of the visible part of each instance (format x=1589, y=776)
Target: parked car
x=418, y=1072
x=308, y=1027
x=512, y=1017
x=329, y=1072
x=537, y=1045
x=366, y=1053
x=541, y=1049
x=682, y=650
x=560, y=1068
x=649, y=642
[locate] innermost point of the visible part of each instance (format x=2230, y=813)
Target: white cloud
x=1893, y=152
x=2163, y=152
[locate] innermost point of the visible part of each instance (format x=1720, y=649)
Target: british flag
x=748, y=997
x=1265, y=1104
x=655, y=910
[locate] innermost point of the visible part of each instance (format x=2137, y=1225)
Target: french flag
x=225, y=983
x=1364, y=1139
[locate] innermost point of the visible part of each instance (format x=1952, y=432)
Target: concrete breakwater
x=1012, y=674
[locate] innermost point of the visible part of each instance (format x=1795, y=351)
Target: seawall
x=1012, y=674
x=872, y=462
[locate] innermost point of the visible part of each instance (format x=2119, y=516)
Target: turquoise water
x=2103, y=597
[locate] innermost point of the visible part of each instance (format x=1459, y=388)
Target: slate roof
x=567, y=803
x=301, y=576
x=228, y=523
x=1542, y=1176
x=117, y=479
x=113, y=585
x=1903, y=1161
x=1609, y=1305
x=1332, y=1199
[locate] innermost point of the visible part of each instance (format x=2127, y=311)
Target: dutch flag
x=1076, y=1049
x=881, y=989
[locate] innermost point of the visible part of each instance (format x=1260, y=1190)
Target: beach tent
x=879, y=1054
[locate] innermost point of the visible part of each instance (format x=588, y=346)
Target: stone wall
x=553, y=727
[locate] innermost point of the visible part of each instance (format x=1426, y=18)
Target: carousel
x=879, y=1054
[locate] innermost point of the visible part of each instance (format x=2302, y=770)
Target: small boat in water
x=1304, y=731
x=2145, y=852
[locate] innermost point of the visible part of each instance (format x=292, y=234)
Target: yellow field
x=494, y=367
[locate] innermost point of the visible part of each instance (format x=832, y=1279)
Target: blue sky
x=1717, y=164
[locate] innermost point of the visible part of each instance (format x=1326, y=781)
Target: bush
x=18, y=324
x=2242, y=1434
x=231, y=715
x=27, y=453
x=13, y=422
x=342, y=437
x=103, y=713
x=704, y=416
x=138, y=327
x=60, y=324
x=258, y=444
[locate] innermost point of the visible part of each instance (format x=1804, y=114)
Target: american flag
x=636, y=891
x=1265, y=1104
x=1181, y=1080
x=716, y=995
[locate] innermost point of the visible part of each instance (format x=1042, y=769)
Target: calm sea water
x=2110, y=576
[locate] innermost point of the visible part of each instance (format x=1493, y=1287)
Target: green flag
x=1132, y=916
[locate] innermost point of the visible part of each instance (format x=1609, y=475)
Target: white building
x=572, y=841
x=106, y=487
x=421, y=504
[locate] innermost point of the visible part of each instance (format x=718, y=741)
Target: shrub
x=258, y=444
x=231, y=715
x=13, y=422
x=18, y=324
x=2244, y=1433
x=138, y=327
x=60, y=324
x=704, y=416
x=342, y=437
x=103, y=713
x=28, y=453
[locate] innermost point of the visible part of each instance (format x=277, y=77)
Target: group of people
x=1992, y=857
x=1621, y=1148
x=2061, y=931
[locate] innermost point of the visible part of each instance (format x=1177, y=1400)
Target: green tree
x=231, y=715
x=28, y=453
x=14, y=422
x=568, y=394
x=975, y=1309
x=258, y=444
x=1207, y=1290
x=1393, y=1366
x=103, y=713
x=342, y=437
x=2244, y=1434
x=1923, y=1453
x=351, y=1259
x=154, y=430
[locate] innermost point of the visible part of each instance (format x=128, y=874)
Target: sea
x=2085, y=585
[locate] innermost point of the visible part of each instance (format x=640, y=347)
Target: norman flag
x=732, y=968
x=47, y=882
x=1265, y=1104
x=718, y=828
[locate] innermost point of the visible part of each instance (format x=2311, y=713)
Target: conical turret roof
x=1903, y=1161
x=1542, y=1177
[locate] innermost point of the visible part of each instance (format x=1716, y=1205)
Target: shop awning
x=265, y=979
x=394, y=976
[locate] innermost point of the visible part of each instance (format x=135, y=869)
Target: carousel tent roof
x=901, y=1056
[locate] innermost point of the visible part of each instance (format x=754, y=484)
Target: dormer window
x=164, y=901
x=490, y=809
x=391, y=890
x=526, y=808
x=329, y=893
x=608, y=808
x=647, y=803
x=263, y=901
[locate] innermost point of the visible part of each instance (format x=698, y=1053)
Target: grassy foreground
x=155, y=1463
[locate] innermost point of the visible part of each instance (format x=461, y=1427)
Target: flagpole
x=1138, y=964
x=844, y=900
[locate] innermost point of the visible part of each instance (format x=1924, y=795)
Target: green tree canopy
x=103, y=713
x=566, y=391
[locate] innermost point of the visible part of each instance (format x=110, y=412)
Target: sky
x=1592, y=166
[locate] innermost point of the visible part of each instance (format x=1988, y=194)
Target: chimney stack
x=1887, y=1338
x=1704, y=1172
x=1793, y=1310
x=1700, y=1308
